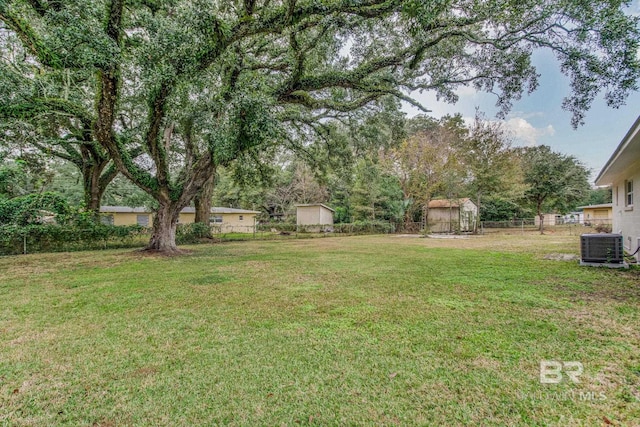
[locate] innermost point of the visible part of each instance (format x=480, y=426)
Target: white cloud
x=524, y=133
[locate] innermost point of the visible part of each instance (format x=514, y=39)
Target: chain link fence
x=56, y=238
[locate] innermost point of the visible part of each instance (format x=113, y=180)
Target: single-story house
x=223, y=219
x=314, y=217
x=446, y=215
x=621, y=173
x=597, y=214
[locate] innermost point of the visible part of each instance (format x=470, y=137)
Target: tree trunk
x=202, y=201
x=92, y=191
x=408, y=217
x=476, y=223
x=165, y=223
x=94, y=185
x=425, y=217
x=541, y=216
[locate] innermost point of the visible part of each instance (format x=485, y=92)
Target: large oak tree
x=208, y=82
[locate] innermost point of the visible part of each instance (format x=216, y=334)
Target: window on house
x=143, y=220
x=215, y=219
x=106, y=219
x=241, y=217
x=628, y=186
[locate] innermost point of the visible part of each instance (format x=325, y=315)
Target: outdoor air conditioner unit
x=602, y=248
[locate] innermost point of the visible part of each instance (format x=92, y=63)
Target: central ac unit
x=603, y=248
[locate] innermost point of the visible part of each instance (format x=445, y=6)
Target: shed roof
x=188, y=209
x=627, y=153
x=314, y=204
x=448, y=203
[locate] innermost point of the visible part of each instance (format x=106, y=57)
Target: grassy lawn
x=371, y=330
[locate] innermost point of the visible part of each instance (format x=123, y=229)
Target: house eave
x=622, y=158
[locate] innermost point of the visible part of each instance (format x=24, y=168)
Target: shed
x=550, y=219
x=314, y=217
x=446, y=215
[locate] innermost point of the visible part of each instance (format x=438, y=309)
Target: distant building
x=622, y=173
x=314, y=217
x=575, y=217
x=224, y=219
x=597, y=214
x=550, y=219
x=444, y=215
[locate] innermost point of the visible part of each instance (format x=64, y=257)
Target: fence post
x=522, y=225
x=24, y=244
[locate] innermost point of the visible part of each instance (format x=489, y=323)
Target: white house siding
x=622, y=167
x=626, y=219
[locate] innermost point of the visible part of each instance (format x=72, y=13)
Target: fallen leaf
x=392, y=376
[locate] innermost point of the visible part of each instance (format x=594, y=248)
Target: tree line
x=383, y=167
x=167, y=92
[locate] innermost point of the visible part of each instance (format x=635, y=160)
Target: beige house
x=124, y=215
x=314, y=217
x=444, y=215
x=225, y=220
x=597, y=214
x=622, y=174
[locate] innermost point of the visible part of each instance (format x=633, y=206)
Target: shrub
x=30, y=209
x=192, y=233
x=57, y=237
x=276, y=226
x=366, y=227
x=602, y=228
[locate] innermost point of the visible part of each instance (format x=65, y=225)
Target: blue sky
x=539, y=119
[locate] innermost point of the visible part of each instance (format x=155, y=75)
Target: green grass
x=372, y=330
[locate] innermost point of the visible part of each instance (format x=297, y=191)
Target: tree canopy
x=194, y=85
x=555, y=181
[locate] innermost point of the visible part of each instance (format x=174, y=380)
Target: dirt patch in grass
x=604, y=293
x=145, y=371
x=562, y=257
x=154, y=253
